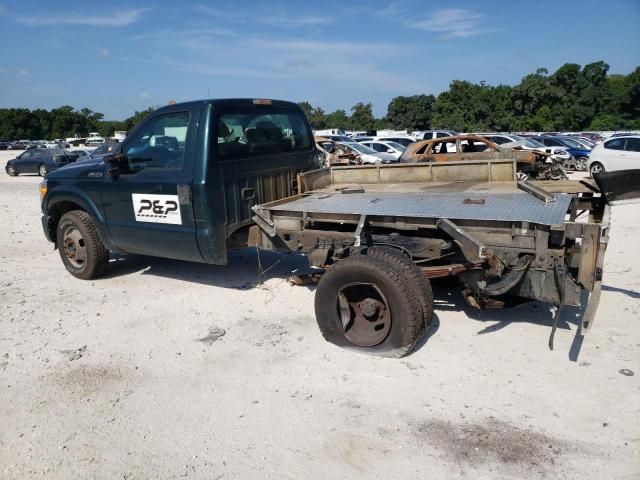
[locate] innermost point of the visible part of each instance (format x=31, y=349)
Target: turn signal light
x=43, y=190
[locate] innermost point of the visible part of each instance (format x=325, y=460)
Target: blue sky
x=118, y=57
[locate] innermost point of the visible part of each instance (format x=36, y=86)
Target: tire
x=368, y=303
x=421, y=284
x=582, y=163
x=42, y=170
x=81, y=249
x=11, y=171
x=596, y=167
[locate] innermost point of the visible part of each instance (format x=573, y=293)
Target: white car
x=384, y=146
x=619, y=153
x=368, y=155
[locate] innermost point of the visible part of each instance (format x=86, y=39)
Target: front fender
x=63, y=198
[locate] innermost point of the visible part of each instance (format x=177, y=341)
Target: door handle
x=247, y=193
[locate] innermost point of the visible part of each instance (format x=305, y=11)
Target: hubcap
x=43, y=170
x=11, y=170
x=364, y=313
x=74, y=247
x=596, y=169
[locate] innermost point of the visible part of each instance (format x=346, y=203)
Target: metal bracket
x=359, y=229
x=539, y=193
x=472, y=248
x=592, y=306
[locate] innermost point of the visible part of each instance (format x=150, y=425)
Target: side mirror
x=115, y=153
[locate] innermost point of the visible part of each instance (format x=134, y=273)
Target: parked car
x=576, y=149
x=338, y=138
x=4, y=145
x=101, y=151
x=433, y=134
x=17, y=146
x=526, y=143
x=619, y=153
x=585, y=142
x=405, y=141
x=369, y=155
x=594, y=137
x=40, y=161
x=531, y=163
x=384, y=146
x=335, y=154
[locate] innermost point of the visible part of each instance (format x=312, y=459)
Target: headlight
x=43, y=189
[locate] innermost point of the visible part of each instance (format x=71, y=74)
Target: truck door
x=148, y=203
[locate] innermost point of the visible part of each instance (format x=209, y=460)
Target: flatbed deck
x=466, y=205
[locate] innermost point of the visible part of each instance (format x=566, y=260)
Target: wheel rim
x=43, y=170
x=597, y=168
x=364, y=314
x=11, y=170
x=74, y=247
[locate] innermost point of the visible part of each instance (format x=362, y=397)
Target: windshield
x=397, y=146
x=361, y=148
x=572, y=143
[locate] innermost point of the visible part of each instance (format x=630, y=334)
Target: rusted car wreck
x=336, y=154
x=534, y=164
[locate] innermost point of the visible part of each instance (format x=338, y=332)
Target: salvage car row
x=559, y=151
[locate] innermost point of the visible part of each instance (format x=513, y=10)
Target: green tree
x=362, y=117
x=415, y=112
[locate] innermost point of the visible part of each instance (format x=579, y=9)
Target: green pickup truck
x=196, y=179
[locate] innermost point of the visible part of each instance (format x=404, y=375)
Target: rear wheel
x=368, y=303
x=81, y=249
x=43, y=170
x=596, y=167
x=11, y=171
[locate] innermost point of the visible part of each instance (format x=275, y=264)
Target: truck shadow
x=447, y=297
x=246, y=268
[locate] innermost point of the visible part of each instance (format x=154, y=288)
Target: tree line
x=62, y=122
x=572, y=98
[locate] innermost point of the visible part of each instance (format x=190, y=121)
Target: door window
x=615, y=144
x=159, y=144
x=633, y=145
x=379, y=147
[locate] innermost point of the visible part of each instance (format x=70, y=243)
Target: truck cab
x=181, y=185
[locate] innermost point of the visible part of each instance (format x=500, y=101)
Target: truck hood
x=79, y=169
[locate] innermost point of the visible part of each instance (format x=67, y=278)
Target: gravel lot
x=127, y=376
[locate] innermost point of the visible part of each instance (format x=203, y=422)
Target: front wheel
x=81, y=249
x=368, y=303
x=43, y=170
x=581, y=163
x=11, y=171
x=596, y=167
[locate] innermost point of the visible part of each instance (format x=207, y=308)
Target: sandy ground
x=124, y=377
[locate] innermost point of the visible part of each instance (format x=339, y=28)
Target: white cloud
x=274, y=19
x=144, y=95
x=103, y=52
x=115, y=19
x=453, y=22
x=23, y=72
